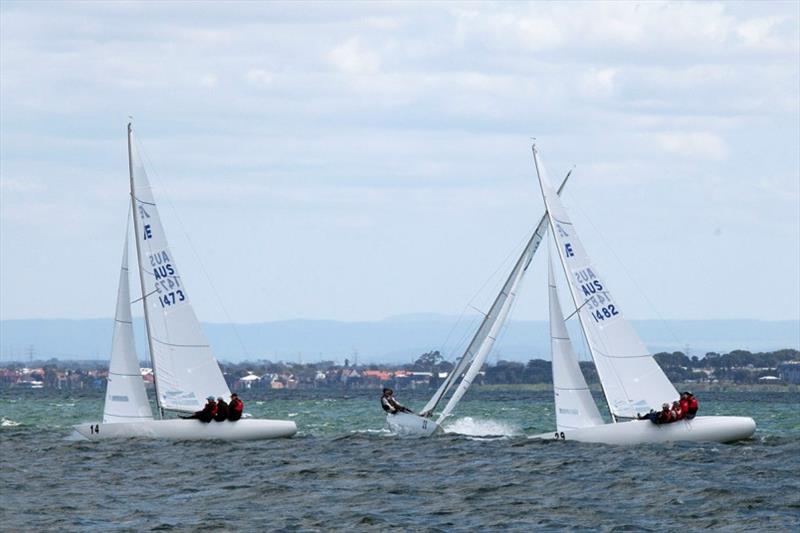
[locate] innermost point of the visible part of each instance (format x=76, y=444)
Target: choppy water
x=345, y=471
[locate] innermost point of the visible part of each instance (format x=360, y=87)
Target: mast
x=141, y=273
x=495, y=314
x=567, y=275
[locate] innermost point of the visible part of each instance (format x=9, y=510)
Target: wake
x=478, y=427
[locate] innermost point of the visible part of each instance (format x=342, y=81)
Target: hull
x=700, y=429
x=179, y=429
x=411, y=425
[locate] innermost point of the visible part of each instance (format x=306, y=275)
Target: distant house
x=789, y=372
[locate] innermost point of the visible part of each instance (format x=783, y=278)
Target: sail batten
x=632, y=380
x=184, y=367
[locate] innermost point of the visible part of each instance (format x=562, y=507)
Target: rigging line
x=480, y=290
x=194, y=250
x=627, y=272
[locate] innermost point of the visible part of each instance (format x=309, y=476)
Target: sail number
x=171, y=298
x=604, y=313
x=94, y=428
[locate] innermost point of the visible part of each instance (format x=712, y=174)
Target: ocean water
x=345, y=471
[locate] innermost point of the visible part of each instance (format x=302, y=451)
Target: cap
x=210, y=398
x=234, y=395
x=665, y=406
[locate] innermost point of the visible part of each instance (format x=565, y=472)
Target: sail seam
x=129, y=375
x=123, y=321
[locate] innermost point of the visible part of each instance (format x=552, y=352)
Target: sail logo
x=561, y=231
x=148, y=233
x=568, y=250
x=591, y=288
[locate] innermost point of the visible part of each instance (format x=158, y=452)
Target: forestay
x=185, y=369
x=481, y=345
x=632, y=380
x=575, y=407
x=126, y=398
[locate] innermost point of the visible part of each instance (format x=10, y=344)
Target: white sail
x=184, y=366
x=510, y=292
x=484, y=338
x=126, y=398
x=632, y=380
x=575, y=407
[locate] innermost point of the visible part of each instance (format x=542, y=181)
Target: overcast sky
x=357, y=161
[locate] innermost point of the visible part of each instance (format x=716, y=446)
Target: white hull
x=700, y=429
x=411, y=425
x=180, y=429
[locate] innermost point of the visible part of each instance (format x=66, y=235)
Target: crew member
x=691, y=410
x=677, y=413
x=665, y=415
x=207, y=413
x=390, y=405
x=235, y=408
x=222, y=410
x=685, y=404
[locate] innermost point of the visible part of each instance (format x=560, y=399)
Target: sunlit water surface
x=344, y=470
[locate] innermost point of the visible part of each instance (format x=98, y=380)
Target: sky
x=360, y=161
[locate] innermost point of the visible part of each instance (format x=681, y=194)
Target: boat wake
x=477, y=427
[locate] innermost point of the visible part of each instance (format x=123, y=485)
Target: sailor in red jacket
x=691, y=411
x=208, y=412
x=235, y=408
x=684, y=403
x=665, y=415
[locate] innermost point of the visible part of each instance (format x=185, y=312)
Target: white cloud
x=259, y=77
x=353, y=58
x=701, y=144
x=209, y=80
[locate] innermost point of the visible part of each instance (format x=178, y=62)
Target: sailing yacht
x=630, y=377
x=184, y=366
x=470, y=363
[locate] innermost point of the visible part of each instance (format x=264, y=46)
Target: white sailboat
x=466, y=369
x=184, y=367
x=631, y=379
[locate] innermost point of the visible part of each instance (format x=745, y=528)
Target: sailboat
x=184, y=366
x=630, y=377
x=470, y=363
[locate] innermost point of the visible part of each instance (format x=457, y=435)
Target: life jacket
x=685, y=406
x=677, y=414
x=665, y=417
x=235, y=409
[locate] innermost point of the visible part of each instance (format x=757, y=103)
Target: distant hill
x=395, y=339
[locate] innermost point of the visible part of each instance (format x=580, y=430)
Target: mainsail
x=632, y=380
x=126, y=398
x=575, y=407
x=475, y=355
x=184, y=367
